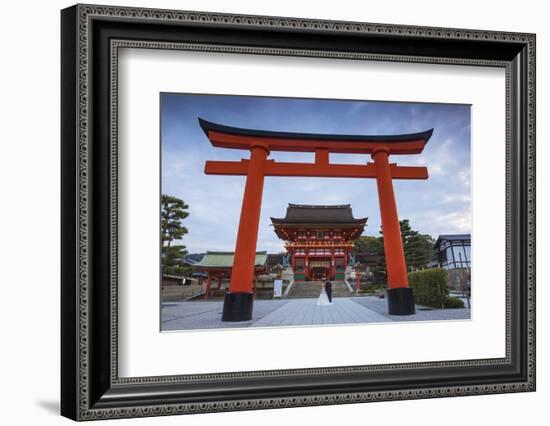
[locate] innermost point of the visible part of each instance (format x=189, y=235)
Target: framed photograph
x=264, y=212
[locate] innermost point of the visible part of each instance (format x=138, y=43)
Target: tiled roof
x=193, y=258
x=214, y=259
x=300, y=213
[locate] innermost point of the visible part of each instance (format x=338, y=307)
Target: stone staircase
x=312, y=289
x=340, y=289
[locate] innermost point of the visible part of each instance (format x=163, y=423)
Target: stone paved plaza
x=200, y=315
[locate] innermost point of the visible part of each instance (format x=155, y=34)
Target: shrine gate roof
x=242, y=138
x=319, y=214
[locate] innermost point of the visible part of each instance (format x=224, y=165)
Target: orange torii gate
x=239, y=299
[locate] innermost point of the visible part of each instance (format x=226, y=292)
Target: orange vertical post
x=400, y=299
x=393, y=246
x=238, y=301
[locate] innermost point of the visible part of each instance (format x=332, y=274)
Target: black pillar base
x=237, y=306
x=401, y=301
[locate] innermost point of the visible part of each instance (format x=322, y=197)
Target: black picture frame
x=90, y=386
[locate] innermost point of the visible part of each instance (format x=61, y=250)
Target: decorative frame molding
x=91, y=37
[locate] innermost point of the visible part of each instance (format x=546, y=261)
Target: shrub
x=430, y=287
x=453, y=303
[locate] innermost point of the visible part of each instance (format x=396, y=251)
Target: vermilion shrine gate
x=238, y=300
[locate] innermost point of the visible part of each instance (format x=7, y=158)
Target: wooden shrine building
x=218, y=266
x=319, y=239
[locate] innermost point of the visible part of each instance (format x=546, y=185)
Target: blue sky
x=439, y=205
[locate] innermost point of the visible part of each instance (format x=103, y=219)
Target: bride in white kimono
x=323, y=297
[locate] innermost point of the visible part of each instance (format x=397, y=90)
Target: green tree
x=379, y=270
x=173, y=211
x=418, y=249
x=372, y=246
x=368, y=245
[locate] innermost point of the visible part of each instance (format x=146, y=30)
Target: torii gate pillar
x=400, y=296
x=238, y=300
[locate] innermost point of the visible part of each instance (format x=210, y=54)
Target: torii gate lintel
x=238, y=301
x=275, y=168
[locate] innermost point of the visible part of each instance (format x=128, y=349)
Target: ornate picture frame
x=91, y=37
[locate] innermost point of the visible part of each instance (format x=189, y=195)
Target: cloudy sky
x=439, y=205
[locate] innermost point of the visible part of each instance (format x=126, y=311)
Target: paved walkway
x=307, y=312
x=201, y=315
x=422, y=313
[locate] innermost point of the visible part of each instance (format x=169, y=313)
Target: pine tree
x=373, y=246
x=173, y=211
x=367, y=245
x=418, y=249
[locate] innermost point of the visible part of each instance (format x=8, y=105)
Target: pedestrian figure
x=328, y=290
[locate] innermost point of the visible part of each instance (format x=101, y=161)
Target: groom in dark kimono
x=328, y=290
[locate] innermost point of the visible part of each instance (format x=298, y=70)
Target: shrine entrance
x=319, y=270
x=319, y=239
x=238, y=302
